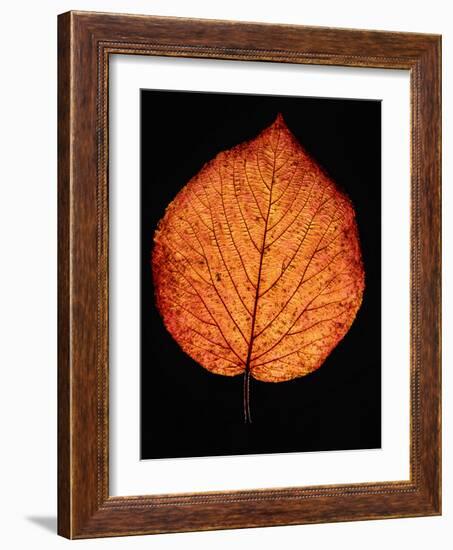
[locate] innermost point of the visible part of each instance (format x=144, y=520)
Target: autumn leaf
x=257, y=263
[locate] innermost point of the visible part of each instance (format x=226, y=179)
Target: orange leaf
x=257, y=263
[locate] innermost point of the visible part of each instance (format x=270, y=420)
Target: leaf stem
x=247, y=415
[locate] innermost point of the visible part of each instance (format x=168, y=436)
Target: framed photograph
x=249, y=275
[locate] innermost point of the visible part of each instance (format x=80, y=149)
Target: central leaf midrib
x=258, y=284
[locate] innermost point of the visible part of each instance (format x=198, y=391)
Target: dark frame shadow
x=48, y=523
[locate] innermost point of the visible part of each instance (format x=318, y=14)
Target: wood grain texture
x=86, y=40
x=64, y=370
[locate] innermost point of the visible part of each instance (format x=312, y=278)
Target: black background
x=187, y=411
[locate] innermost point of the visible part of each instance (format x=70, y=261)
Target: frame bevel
x=85, y=42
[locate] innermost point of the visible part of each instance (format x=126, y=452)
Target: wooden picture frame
x=85, y=42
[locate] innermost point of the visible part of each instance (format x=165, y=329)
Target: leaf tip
x=279, y=121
